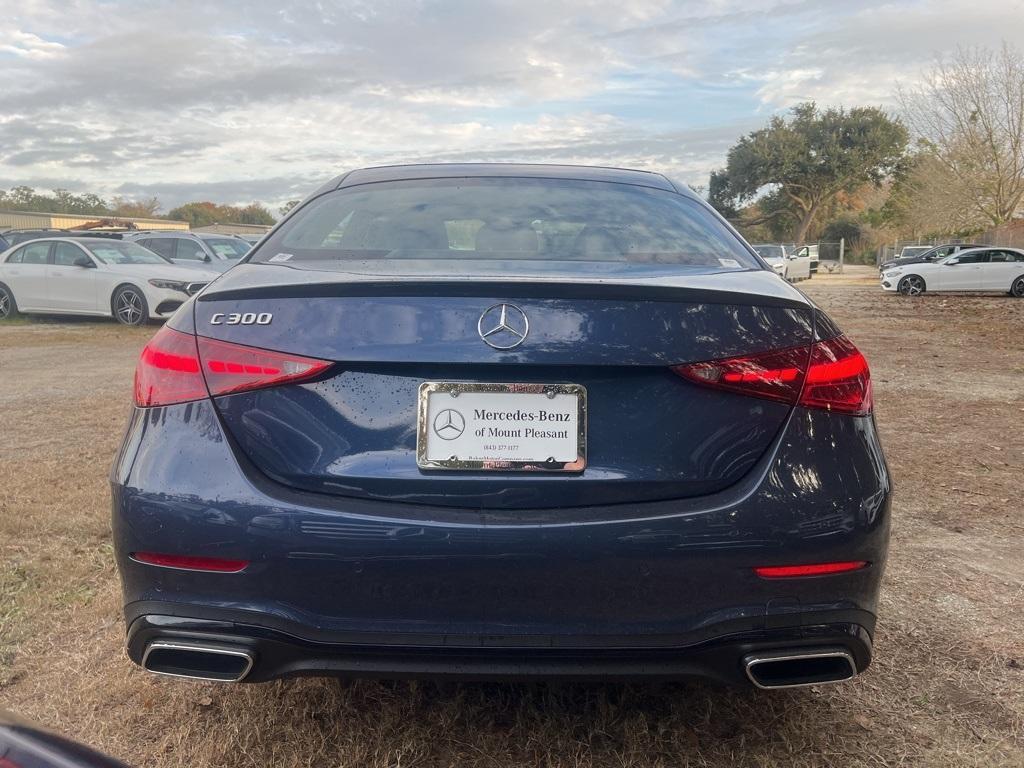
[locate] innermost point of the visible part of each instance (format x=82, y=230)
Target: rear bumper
x=362, y=587
x=279, y=654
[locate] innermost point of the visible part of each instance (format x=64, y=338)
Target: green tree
x=254, y=213
x=199, y=214
x=24, y=198
x=284, y=209
x=845, y=227
x=202, y=214
x=805, y=161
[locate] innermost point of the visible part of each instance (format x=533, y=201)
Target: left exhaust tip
x=799, y=667
x=198, y=661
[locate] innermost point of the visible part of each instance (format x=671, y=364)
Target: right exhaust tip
x=224, y=664
x=799, y=667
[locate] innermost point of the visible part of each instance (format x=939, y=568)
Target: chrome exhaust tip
x=799, y=667
x=196, y=661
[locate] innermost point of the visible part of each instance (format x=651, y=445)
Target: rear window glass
x=227, y=248
x=770, y=251
x=114, y=252
x=487, y=220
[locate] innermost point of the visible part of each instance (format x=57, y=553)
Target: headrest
x=509, y=238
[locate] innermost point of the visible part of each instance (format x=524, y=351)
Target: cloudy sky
x=259, y=100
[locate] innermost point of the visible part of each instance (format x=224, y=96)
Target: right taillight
x=832, y=375
x=837, y=378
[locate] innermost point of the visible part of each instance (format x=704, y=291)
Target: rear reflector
x=832, y=375
x=176, y=367
x=817, y=569
x=190, y=563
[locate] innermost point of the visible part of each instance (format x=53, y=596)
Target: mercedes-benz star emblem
x=449, y=424
x=503, y=326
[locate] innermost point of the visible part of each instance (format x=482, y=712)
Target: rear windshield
x=770, y=251
x=227, y=248
x=491, y=220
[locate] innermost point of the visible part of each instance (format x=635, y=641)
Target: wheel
x=8, y=306
x=1017, y=289
x=911, y=285
x=129, y=306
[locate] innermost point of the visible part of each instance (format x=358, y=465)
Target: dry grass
x=947, y=686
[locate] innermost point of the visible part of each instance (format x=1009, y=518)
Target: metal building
x=32, y=220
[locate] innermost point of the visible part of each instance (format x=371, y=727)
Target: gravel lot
x=946, y=688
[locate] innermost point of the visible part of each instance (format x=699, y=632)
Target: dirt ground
x=946, y=687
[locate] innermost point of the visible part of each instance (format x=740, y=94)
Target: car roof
x=161, y=233
x=504, y=170
x=988, y=248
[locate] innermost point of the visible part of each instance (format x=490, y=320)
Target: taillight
x=176, y=367
x=838, y=378
x=168, y=370
x=832, y=375
x=235, y=368
x=774, y=375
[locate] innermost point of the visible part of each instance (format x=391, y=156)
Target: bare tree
x=928, y=200
x=969, y=111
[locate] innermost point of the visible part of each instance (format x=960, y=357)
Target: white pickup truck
x=788, y=265
x=810, y=252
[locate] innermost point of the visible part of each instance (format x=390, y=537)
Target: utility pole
x=842, y=249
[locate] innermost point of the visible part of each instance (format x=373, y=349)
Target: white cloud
x=29, y=46
x=196, y=99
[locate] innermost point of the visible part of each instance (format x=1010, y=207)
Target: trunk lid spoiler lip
x=264, y=281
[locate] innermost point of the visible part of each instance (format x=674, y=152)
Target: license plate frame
x=457, y=388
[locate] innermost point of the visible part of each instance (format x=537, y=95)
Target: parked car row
x=130, y=275
x=95, y=276
x=916, y=254
x=967, y=268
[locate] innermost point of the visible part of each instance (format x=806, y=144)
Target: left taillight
x=168, y=370
x=177, y=367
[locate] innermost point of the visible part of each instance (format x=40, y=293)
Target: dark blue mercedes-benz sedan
x=502, y=421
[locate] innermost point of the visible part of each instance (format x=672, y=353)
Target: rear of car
x=501, y=421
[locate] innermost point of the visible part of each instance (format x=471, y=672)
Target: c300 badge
x=241, y=318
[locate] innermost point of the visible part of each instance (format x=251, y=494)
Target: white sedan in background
x=94, y=276
x=976, y=269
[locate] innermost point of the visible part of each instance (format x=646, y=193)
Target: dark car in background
x=26, y=745
x=927, y=256
x=502, y=421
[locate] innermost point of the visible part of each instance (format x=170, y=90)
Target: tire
x=1017, y=289
x=8, y=306
x=911, y=285
x=129, y=306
